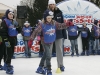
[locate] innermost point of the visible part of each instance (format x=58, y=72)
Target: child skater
x=10, y=30
x=26, y=32
x=47, y=27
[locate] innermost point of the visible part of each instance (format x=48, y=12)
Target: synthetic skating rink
x=83, y=65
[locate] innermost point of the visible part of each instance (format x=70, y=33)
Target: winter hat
x=8, y=11
x=95, y=22
x=38, y=21
x=47, y=13
x=26, y=23
x=51, y=2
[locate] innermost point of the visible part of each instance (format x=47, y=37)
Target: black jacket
x=93, y=33
x=59, y=18
x=3, y=30
x=88, y=32
x=74, y=37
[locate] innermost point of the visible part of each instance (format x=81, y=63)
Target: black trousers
x=54, y=48
x=2, y=52
x=13, y=42
x=85, y=44
x=6, y=51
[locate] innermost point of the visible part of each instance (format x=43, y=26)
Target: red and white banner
x=80, y=11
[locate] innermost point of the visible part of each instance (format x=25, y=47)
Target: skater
x=3, y=33
x=73, y=35
x=26, y=32
x=85, y=35
x=1, y=48
x=11, y=29
x=60, y=34
x=48, y=29
x=96, y=34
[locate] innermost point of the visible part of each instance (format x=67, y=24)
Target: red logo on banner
x=67, y=49
x=79, y=19
x=19, y=49
x=35, y=48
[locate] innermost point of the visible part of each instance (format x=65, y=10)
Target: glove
x=15, y=23
x=7, y=43
x=30, y=43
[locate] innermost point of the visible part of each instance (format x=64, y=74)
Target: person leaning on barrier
x=96, y=34
x=73, y=35
x=26, y=32
x=85, y=35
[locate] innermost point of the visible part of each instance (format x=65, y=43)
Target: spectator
x=73, y=35
x=85, y=35
x=96, y=34
x=26, y=32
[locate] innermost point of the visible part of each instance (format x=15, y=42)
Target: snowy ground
x=83, y=65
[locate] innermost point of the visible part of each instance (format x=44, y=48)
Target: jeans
x=27, y=49
x=74, y=45
x=47, y=55
x=91, y=44
x=96, y=45
x=85, y=44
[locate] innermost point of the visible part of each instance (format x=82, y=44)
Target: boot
x=77, y=54
x=83, y=53
x=45, y=70
x=29, y=55
x=72, y=54
x=53, y=54
x=49, y=72
x=26, y=55
x=40, y=70
x=98, y=52
x=9, y=69
x=93, y=52
x=62, y=68
x=5, y=66
x=1, y=67
x=87, y=52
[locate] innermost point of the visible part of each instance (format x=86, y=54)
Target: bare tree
x=96, y=2
x=27, y=3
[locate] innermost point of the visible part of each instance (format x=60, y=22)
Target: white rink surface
x=83, y=65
